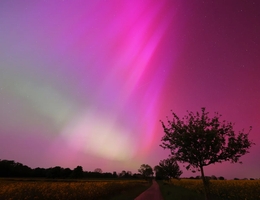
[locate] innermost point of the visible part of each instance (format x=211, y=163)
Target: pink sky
x=86, y=82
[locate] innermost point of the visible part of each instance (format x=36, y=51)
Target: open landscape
x=129, y=99
x=118, y=189
x=43, y=189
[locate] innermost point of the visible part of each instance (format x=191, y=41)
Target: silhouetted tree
x=146, y=171
x=77, y=172
x=122, y=174
x=200, y=141
x=39, y=172
x=159, y=173
x=170, y=168
x=10, y=168
x=129, y=174
x=93, y=175
x=115, y=174
x=20, y=170
x=107, y=175
x=137, y=176
x=125, y=174
x=54, y=172
x=66, y=173
x=98, y=170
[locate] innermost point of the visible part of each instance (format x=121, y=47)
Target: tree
x=169, y=168
x=77, y=172
x=115, y=174
x=200, y=141
x=122, y=174
x=159, y=173
x=125, y=174
x=66, y=173
x=129, y=174
x=55, y=172
x=39, y=172
x=146, y=171
x=10, y=168
x=98, y=170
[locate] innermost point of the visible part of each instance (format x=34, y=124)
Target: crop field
x=58, y=190
x=224, y=189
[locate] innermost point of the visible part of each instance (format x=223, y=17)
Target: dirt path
x=152, y=193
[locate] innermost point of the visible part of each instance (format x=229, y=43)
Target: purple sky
x=86, y=82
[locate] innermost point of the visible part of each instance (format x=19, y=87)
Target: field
x=13, y=189
x=219, y=189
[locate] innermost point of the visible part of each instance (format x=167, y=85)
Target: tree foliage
x=146, y=171
x=125, y=174
x=199, y=140
x=98, y=170
x=77, y=172
x=168, y=168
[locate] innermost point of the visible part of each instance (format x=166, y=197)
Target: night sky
x=86, y=82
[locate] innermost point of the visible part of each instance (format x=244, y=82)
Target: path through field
x=152, y=193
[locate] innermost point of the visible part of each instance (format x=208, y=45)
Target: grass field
x=72, y=189
x=170, y=192
x=186, y=189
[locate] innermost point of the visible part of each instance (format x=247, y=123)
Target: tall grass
x=185, y=189
x=170, y=192
x=70, y=190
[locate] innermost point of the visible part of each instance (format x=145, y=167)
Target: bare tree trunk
x=205, y=183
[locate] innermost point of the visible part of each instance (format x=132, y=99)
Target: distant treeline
x=10, y=168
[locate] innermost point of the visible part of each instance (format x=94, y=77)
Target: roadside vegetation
x=185, y=189
x=170, y=191
x=71, y=189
